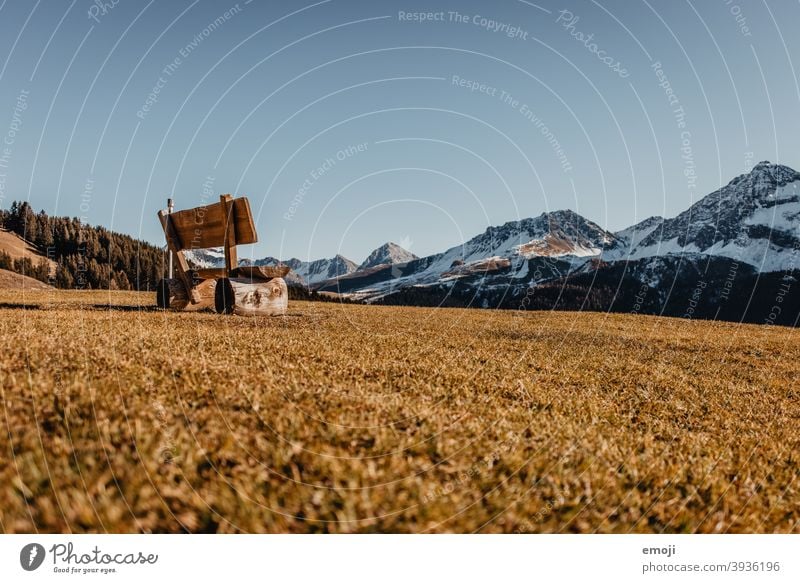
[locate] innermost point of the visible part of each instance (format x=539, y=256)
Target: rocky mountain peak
x=387, y=254
x=753, y=216
x=763, y=179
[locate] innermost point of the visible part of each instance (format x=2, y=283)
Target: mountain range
x=732, y=255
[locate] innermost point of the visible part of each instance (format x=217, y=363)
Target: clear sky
x=349, y=124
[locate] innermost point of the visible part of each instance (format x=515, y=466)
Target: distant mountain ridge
x=562, y=236
x=739, y=235
x=320, y=270
x=733, y=255
x=307, y=272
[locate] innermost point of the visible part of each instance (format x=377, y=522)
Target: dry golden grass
x=362, y=419
x=17, y=281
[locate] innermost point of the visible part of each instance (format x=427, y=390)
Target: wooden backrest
x=206, y=226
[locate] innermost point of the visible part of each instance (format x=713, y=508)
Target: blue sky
x=349, y=124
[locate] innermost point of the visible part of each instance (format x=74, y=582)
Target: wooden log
x=252, y=297
x=171, y=294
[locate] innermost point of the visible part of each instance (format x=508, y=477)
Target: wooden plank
x=211, y=273
x=201, y=227
x=260, y=271
x=171, y=295
x=204, y=227
x=231, y=257
x=245, y=225
x=251, y=298
x=174, y=245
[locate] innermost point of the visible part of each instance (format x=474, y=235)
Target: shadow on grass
x=16, y=306
x=110, y=307
x=114, y=308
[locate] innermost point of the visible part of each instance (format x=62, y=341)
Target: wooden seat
x=225, y=224
x=210, y=273
x=261, y=271
x=248, y=271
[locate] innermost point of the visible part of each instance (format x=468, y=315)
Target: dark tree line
x=86, y=257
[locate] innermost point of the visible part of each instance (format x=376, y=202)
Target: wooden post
x=251, y=297
x=231, y=258
x=171, y=294
x=170, y=208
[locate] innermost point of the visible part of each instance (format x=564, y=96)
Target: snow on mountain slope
x=631, y=237
x=322, y=269
x=555, y=245
x=317, y=271
x=552, y=234
x=205, y=258
x=311, y=272
x=754, y=219
x=488, y=265
x=504, y=251
x=556, y=234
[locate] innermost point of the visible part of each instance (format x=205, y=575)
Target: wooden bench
x=244, y=290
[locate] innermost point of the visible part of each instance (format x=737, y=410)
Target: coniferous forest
x=86, y=257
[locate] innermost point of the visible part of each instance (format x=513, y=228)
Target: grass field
x=360, y=419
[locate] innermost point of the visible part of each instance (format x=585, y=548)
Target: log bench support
x=171, y=294
x=251, y=297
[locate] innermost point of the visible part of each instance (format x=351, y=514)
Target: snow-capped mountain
x=554, y=234
x=317, y=271
x=557, y=234
x=205, y=258
x=311, y=272
x=739, y=242
x=754, y=219
x=321, y=269
x=387, y=254
x=563, y=236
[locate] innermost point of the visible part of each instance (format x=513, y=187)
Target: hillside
x=18, y=248
x=80, y=256
x=353, y=418
x=17, y=281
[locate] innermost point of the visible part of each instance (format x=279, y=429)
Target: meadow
x=117, y=417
